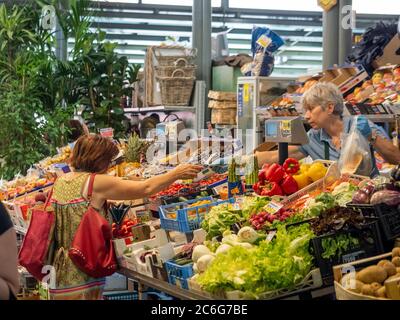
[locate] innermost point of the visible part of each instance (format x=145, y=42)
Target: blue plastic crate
x=184, y=272
x=155, y=295
x=121, y=295
x=184, y=222
x=178, y=275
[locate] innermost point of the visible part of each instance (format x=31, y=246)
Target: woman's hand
x=186, y=171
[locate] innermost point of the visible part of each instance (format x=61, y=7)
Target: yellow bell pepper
x=302, y=180
x=304, y=167
x=317, y=171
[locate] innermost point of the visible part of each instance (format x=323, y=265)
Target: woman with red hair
x=94, y=154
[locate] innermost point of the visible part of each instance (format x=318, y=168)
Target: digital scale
x=285, y=131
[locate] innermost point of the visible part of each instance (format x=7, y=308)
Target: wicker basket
x=182, y=64
x=177, y=89
x=167, y=61
x=392, y=286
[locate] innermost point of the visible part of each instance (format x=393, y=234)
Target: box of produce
x=248, y=265
x=186, y=216
x=381, y=201
x=149, y=261
x=179, y=274
x=311, y=281
x=343, y=235
x=374, y=278
x=292, y=179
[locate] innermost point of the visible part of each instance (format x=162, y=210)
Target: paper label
x=107, y=132
x=273, y=207
x=286, y=128
x=270, y=235
x=264, y=41
x=246, y=93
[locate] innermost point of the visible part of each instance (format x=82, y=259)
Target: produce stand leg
x=141, y=290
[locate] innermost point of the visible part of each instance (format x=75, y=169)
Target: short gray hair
x=322, y=94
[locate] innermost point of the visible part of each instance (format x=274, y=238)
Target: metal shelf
x=162, y=286
x=160, y=109
x=194, y=295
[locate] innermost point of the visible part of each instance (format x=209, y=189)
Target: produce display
x=23, y=185
x=280, y=263
x=384, y=86
x=192, y=214
x=124, y=230
x=371, y=281
x=183, y=190
x=62, y=157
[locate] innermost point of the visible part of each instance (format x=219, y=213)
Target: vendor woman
x=323, y=105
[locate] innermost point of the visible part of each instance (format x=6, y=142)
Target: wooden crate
x=222, y=96
x=223, y=116
x=213, y=104
x=392, y=286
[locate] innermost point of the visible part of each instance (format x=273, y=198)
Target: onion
x=360, y=197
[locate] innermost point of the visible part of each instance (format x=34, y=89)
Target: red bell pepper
x=274, y=173
x=272, y=189
x=289, y=185
x=265, y=166
x=261, y=176
x=256, y=187
x=291, y=166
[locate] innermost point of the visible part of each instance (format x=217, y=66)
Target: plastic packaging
x=264, y=43
x=355, y=157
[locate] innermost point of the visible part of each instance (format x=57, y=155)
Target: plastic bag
x=264, y=43
x=355, y=157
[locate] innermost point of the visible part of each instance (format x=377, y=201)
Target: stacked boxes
x=224, y=107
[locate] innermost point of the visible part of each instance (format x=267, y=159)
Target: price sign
x=246, y=92
x=107, y=132
x=273, y=207
x=286, y=128
x=270, y=235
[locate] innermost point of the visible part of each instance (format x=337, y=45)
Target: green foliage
x=39, y=93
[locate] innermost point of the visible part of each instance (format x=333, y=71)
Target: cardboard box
x=345, y=78
x=391, y=53
x=222, y=96
x=222, y=104
x=223, y=116
x=266, y=146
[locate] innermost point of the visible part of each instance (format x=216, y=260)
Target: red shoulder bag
x=37, y=244
x=92, y=249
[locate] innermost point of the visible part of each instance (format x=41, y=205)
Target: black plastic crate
x=369, y=244
x=389, y=218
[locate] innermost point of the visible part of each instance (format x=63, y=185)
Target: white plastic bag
x=355, y=156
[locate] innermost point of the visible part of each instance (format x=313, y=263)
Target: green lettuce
x=280, y=263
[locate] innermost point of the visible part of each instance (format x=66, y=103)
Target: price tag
x=270, y=235
x=273, y=207
x=246, y=92
x=107, y=132
x=264, y=41
x=286, y=128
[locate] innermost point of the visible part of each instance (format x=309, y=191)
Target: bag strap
x=50, y=195
x=326, y=150
x=90, y=192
